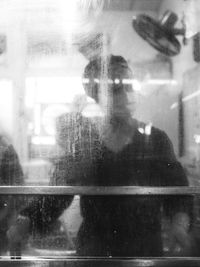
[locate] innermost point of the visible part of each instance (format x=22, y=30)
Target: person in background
x=115, y=150
x=10, y=174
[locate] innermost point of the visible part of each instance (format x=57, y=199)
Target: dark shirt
x=116, y=225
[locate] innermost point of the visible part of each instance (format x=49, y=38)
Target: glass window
x=102, y=96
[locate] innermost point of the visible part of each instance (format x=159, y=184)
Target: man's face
x=116, y=96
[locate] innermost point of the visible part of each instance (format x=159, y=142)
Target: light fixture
x=186, y=98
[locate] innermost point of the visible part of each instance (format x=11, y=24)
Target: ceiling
x=133, y=5
x=112, y=5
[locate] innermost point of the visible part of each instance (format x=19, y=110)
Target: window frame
x=99, y=261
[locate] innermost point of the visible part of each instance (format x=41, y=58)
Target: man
x=117, y=151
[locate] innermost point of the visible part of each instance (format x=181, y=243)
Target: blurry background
x=44, y=47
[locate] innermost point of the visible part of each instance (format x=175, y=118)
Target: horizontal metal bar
x=125, y=262
x=97, y=190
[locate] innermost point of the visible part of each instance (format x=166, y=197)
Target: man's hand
x=181, y=241
x=17, y=234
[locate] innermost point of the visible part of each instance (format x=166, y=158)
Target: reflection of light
x=43, y=140
x=135, y=83
x=197, y=138
x=185, y=99
x=128, y=81
x=53, y=89
x=174, y=105
x=37, y=119
x=146, y=130
x=162, y=82
x=141, y=130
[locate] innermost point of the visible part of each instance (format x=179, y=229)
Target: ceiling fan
x=161, y=34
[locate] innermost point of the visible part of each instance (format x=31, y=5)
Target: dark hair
x=95, y=69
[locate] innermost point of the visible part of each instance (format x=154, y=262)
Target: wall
x=153, y=102
x=186, y=71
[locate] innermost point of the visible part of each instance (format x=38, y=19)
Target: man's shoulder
x=148, y=129
x=154, y=142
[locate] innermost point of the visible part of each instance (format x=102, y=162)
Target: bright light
x=146, y=130
x=197, y=138
x=43, y=140
x=141, y=130
x=135, y=83
x=161, y=82
x=52, y=89
x=174, y=105
x=186, y=98
x=127, y=81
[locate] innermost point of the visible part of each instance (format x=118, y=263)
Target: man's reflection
x=114, y=151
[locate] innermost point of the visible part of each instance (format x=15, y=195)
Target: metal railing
x=98, y=190
x=104, y=262
x=98, y=261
